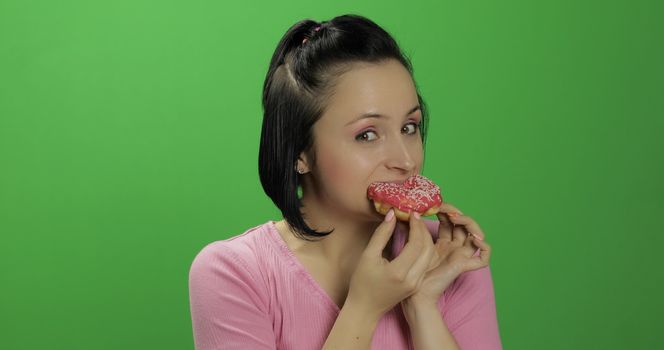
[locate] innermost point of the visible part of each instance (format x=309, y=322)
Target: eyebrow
x=378, y=115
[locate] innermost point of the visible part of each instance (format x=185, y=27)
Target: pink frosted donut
x=417, y=193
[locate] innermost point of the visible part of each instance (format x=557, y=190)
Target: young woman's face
x=369, y=132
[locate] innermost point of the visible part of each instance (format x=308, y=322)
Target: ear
x=302, y=164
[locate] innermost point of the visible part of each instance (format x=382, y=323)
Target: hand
x=377, y=284
x=459, y=236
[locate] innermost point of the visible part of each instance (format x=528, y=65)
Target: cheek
x=334, y=169
x=418, y=153
x=344, y=172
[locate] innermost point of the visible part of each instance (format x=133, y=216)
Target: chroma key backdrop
x=129, y=135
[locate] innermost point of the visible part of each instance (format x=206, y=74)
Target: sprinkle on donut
x=416, y=194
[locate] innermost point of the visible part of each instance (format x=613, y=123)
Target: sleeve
x=470, y=311
x=228, y=311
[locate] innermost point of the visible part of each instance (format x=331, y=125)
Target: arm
x=353, y=329
x=228, y=311
x=470, y=312
x=427, y=328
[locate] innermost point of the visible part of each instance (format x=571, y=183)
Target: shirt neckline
x=298, y=267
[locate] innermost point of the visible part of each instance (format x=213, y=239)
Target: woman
x=341, y=110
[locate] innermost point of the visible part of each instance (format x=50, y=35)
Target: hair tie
x=315, y=30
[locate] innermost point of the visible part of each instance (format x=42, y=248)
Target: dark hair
x=298, y=84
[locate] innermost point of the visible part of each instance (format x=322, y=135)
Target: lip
x=395, y=181
x=399, y=182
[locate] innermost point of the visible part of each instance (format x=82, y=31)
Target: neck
x=343, y=247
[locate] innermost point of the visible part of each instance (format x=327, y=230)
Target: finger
x=446, y=207
x=435, y=256
x=470, y=225
x=459, y=234
x=435, y=252
x=423, y=230
x=483, y=258
x=435, y=260
x=412, y=250
x=381, y=235
x=470, y=248
x=468, y=242
x=445, y=226
x=445, y=210
x=423, y=262
x=450, y=211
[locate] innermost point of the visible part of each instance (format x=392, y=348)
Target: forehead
x=385, y=88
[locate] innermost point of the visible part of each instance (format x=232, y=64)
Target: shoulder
x=238, y=254
x=233, y=268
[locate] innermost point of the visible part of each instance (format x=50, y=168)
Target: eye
x=365, y=136
x=411, y=128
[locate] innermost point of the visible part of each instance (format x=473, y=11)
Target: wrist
x=353, y=328
x=420, y=302
x=415, y=308
x=361, y=313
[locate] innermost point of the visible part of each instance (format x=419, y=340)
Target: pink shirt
x=251, y=292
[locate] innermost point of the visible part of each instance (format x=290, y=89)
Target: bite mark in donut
x=417, y=194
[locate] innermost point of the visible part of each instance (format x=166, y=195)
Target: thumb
x=381, y=235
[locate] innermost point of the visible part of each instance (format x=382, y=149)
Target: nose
x=400, y=155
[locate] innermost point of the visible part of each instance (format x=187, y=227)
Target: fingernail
x=390, y=215
x=453, y=214
x=476, y=236
x=417, y=215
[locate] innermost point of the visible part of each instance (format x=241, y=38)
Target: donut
x=417, y=194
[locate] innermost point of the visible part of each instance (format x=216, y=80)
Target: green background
x=129, y=135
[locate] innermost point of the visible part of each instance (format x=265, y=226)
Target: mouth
x=399, y=182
